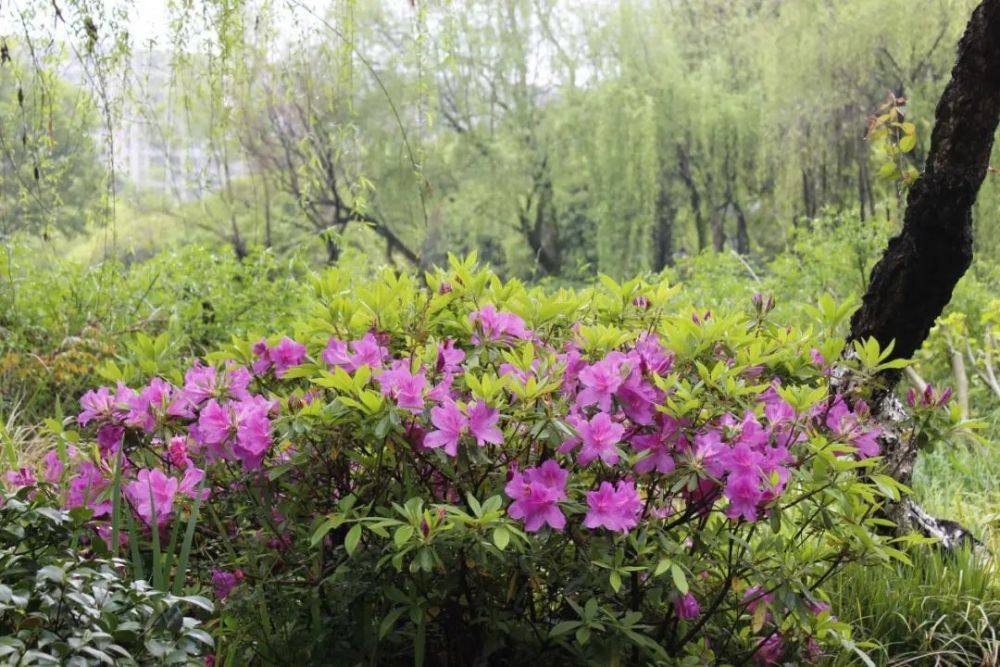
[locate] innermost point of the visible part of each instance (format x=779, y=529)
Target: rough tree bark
x=913, y=281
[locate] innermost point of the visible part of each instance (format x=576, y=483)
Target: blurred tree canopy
x=51, y=175
x=556, y=137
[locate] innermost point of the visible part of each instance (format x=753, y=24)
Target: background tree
x=50, y=170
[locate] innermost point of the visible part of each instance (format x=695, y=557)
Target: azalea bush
x=474, y=472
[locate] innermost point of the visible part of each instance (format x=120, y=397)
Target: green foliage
x=51, y=176
x=65, y=326
x=58, y=607
x=943, y=608
x=352, y=538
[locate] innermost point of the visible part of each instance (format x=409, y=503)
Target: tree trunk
x=742, y=234
x=544, y=237
x=663, y=252
x=684, y=166
x=719, y=228
x=913, y=281
x=332, y=247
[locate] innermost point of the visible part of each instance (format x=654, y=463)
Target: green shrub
x=65, y=327
x=59, y=608
x=407, y=485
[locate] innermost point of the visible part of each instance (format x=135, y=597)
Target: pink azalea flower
x=84, y=489
x=755, y=596
x=601, y=380
x=752, y=433
x=190, y=482
x=237, y=379
x=450, y=424
x=150, y=404
x=616, y=509
x=639, y=398
x=109, y=438
x=536, y=493
x=286, y=354
x=263, y=353
x=744, y=494
x=200, y=383
x=709, y=452
x=653, y=357
x=367, y=352
x=686, y=607
x=599, y=437
x=54, y=466
x=224, y=582
x=177, y=452
x=253, y=431
x=20, y=478
x=844, y=424
x=152, y=487
x=336, y=354
x=658, y=443
x=770, y=650
x=441, y=392
x=511, y=369
x=96, y=404
x=449, y=357
x=405, y=387
x=215, y=425
x=574, y=363
x=482, y=424
x=497, y=326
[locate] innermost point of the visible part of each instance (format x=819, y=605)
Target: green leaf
x=564, y=628
x=352, y=539
x=680, y=580
x=389, y=621
x=51, y=573
x=501, y=537
x=402, y=535
x=328, y=524
x=615, y=579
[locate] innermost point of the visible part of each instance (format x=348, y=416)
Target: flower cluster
x=211, y=418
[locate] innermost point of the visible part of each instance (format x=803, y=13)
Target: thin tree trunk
x=663, y=252
x=719, y=227
x=742, y=233
x=684, y=165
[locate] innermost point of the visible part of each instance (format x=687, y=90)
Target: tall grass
x=944, y=610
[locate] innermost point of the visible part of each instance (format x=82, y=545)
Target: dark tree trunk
x=742, y=234
x=544, y=236
x=663, y=251
x=808, y=195
x=541, y=233
x=684, y=167
x=332, y=247
x=719, y=228
x=913, y=281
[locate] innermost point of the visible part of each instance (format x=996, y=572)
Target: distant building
x=156, y=148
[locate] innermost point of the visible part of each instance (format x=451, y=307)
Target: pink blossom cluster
x=286, y=354
x=212, y=417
